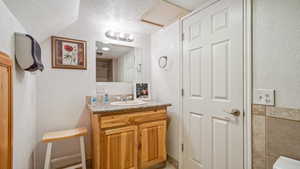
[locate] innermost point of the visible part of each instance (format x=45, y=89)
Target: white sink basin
x=128, y=103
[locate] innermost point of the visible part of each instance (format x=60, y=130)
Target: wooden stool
x=61, y=135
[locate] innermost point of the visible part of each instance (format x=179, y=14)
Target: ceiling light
x=105, y=49
x=119, y=36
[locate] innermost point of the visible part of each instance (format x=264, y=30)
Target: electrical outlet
x=264, y=97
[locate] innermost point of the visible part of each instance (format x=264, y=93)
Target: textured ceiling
x=118, y=15
x=43, y=18
x=188, y=4
x=164, y=13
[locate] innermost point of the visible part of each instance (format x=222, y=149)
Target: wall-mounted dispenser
x=28, y=53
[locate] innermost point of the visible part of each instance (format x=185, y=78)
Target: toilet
x=286, y=163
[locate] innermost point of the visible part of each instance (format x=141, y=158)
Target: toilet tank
x=286, y=163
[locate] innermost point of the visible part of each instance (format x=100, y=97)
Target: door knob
x=234, y=112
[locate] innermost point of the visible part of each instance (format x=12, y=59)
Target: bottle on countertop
x=93, y=100
x=105, y=98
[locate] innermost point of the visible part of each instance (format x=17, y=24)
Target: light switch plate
x=264, y=97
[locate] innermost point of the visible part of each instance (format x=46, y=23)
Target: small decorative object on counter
x=142, y=91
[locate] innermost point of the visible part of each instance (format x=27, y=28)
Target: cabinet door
x=119, y=148
x=153, y=143
x=5, y=112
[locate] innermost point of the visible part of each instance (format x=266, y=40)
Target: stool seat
x=64, y=134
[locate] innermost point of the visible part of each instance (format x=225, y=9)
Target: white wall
x=61, y=92
x=120, y=88
x=165, y=83
x=24, y=95
x=276, y=49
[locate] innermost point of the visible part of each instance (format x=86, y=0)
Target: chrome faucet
x=124, y=98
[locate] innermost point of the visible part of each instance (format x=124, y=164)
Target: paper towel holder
x=28, y=53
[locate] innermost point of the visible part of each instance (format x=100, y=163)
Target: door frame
x=247, y=76
x=7, y=62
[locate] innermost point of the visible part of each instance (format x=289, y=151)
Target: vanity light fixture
x=127, y=37
x=131, y=37
x=105, y=49
x=122, y=35
x=111, y=33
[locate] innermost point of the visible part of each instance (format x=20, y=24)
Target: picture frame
x=142, y=91
x=68, y=53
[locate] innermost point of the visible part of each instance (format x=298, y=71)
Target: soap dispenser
x=105, y=98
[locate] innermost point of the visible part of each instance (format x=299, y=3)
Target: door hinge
x=182, y=36
x=182, y=92
x=182, y=147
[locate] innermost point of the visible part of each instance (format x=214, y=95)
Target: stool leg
x=48, y=156
x=82, y=149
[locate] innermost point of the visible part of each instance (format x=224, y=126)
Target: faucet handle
x=119, y=98
x=129, y=98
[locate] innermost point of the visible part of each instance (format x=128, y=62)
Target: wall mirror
x=117, y=63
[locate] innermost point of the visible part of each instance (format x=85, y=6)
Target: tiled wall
x=276, y=132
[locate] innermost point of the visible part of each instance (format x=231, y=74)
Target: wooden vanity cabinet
x=118, y=147
x=129, y=140
x=152, y=143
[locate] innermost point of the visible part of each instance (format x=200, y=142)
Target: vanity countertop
x=107, y=108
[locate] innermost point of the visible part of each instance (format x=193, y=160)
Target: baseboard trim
x=173, y=161
x=69, y=160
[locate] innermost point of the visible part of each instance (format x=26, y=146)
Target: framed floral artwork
x=68, y=53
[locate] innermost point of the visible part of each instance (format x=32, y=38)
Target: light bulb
x=122, y=35
x=105, y=49
x=130, y=37
x=111, y=33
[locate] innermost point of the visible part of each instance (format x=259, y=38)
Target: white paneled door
x=213, y=87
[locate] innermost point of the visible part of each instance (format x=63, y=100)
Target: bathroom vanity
x=129, y=137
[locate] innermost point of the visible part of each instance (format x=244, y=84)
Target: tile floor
x=169, y=166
